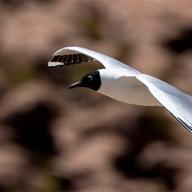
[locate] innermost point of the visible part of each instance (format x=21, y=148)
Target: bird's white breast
x=127, y=89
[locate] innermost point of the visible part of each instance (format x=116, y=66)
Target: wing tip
x=54, y=64
x=69, y=59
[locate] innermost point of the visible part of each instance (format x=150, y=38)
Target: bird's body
x=125, y=89
x=122, y=82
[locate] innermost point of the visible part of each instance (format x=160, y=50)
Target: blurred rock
x=12, y=163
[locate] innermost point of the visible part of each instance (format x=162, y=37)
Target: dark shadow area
x=149, y=129
x=160, y=172
x=20, y=3
x=3, y=189
x=65, y=183
x=32, y=130
x=181, y=43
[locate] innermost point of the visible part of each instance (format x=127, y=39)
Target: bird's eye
x=90, y=78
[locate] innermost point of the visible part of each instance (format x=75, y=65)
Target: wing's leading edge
x=76, y=55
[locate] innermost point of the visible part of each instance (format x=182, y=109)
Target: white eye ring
x=90, y=78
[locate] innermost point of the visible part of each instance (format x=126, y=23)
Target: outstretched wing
x=175, y=101
x=77, y=55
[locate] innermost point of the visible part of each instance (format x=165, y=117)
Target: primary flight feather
x=122, y=82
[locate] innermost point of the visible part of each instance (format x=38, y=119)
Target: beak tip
x=77, y=84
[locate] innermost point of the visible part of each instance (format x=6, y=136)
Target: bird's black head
x=91, y=80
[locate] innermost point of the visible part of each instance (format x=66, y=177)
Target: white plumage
x=128, y=85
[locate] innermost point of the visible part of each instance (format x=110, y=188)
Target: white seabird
x=122, y=82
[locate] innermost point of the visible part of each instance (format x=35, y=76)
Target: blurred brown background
x=57, y=140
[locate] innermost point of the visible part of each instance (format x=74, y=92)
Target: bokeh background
x=57, y=140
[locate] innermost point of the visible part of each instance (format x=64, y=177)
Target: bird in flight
x=124, y=83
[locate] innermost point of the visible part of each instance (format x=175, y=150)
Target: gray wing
x=77, y=55
x=175, y=101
